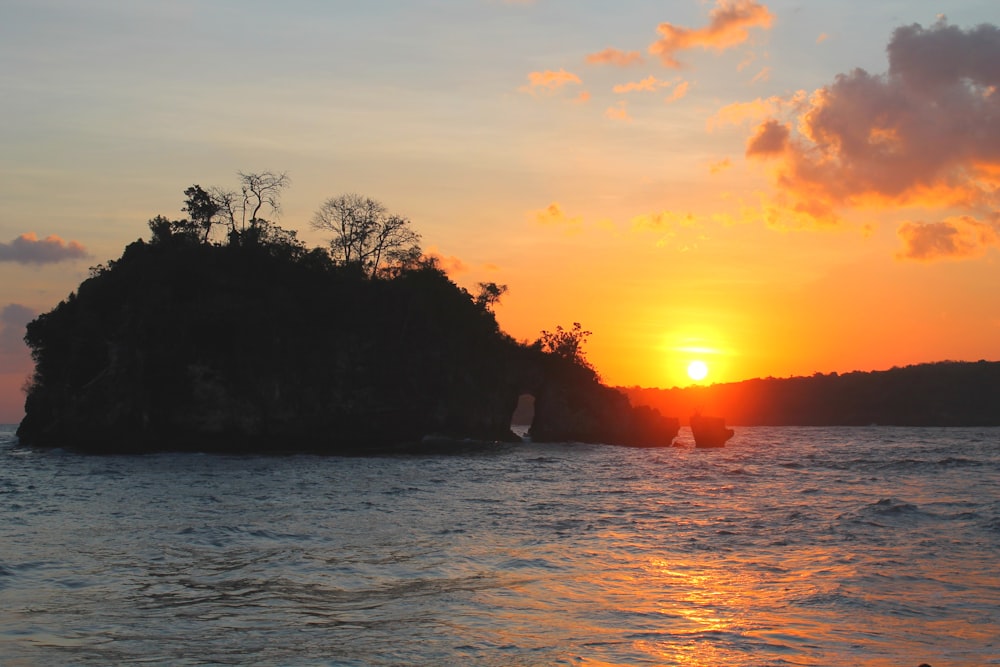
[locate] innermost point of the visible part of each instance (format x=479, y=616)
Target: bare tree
x=366, y=234
x=260, y=189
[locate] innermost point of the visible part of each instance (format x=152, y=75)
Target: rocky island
x=255, y=343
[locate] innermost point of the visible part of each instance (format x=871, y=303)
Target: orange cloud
x=661, y=221
x=450, y=264
x=649, y=84
x=770, y=138
x=583, y=97
x=720, y=166
x=729, y=26
x=554, y=216
x=618, y=112
x=957, y=238
x=28, y=249
x=740, y=112
x=611, y=56
x=550, y=80
x=926, y=133
x=679, y=91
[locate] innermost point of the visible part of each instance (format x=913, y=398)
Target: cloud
x=14, y=356
x=28, y=249
x=741, y=112
x=957, y=238
x=618, y=112
x=583, y=97
x=649, y=84
x=770, y=138
x=822, y=38
x=924, y=134
x=554, y=216
x=763, y=75
x=549, y=80
x=611, y=56
x=680, y=90
x=728, y=26
x=662, y=221
x=720, y=166
x=450, y=264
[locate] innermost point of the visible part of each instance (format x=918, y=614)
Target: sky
x=773, y=188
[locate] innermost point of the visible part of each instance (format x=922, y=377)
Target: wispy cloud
x=926, y=133
x=679, y=91
x=29, y=249
x=649, y=84
x=755, y=110
x=720, y=166
x=553, y=215
x=550, y=80
x=618, y=112
x=729, y=25
x=615, y=57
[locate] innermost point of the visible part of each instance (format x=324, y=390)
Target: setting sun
x=697, y=370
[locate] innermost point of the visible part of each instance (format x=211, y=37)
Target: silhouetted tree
x=366, y=234
x=203, y=208
x=567, y=344
x=260, y=189
x=489, y=295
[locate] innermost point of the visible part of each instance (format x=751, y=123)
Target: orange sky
x=774, y=188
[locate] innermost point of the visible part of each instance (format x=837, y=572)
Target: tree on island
x=566, y=343
x=366, y=235
x=259, y=344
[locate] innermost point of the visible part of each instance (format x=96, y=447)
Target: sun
x=697, y=370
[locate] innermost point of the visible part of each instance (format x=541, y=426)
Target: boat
x=710, y=431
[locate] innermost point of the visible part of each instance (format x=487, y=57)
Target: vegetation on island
x=222, y=331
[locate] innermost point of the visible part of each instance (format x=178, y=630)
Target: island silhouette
x=224, y=332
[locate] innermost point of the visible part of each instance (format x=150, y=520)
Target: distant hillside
x=946, y=393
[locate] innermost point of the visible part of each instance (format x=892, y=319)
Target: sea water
x=791, y=546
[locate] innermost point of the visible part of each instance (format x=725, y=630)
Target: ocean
x=868, y=546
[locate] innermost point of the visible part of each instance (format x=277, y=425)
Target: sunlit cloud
x=615, y=57
x=770, y=138
x=662, y=221
x=618, y=112
x=729, y=25
x=822, y=38
x=14, y=355
x=763, y=75
x=957, y=238
x=450, y=264
x=583, y=97
x=553, y=215
x=720, y=166
x=680, y=90
x=756, y=110
x=29, y=249
x=926, y=133
x=549, y=80
x=649, y=84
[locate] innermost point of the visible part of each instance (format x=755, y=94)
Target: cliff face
x=272, y=348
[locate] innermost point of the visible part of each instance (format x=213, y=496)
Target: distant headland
x=946, y=393
x=224, y=332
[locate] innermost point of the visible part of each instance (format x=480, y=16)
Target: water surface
x=792, y=546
